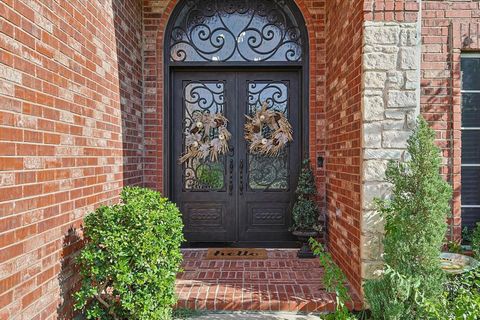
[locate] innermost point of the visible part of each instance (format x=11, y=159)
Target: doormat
x=236, y=253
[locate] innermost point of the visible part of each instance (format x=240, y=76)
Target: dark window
x=471, y=73
x=470, y=140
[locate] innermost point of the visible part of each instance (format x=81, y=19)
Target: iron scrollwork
x=265, y=172
x=242, y=30
x=268, y=173
x=274, y=93
x=203, y=97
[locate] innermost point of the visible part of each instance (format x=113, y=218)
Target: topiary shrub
x=305, y=210
x=415, y=227
x=131, y=258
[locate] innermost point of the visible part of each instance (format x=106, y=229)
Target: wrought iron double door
x=242, y=197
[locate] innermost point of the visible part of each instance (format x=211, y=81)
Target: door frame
x=168, y=157
x=237, y=81
x=168, y=68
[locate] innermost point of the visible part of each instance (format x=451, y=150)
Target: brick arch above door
x=156, y=16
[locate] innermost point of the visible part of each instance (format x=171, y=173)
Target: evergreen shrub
x=305, y=210
x=131, y=258
x=415, y=227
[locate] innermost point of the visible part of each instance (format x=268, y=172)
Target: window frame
x=463, y=56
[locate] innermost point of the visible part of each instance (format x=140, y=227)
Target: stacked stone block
x=391, y=88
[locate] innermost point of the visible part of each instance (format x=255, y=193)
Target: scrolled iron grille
x=246, y=30
x=203, y=97
x=274, y=93
x=264, y=172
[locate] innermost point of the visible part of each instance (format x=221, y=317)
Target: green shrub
x=210, y=175
x=466, y=235
x=475, y=239
x=131, y=257
x=461, y=298
x=387, y=297
x=415, y=227
x=334, y=281
x=454, y=247
x=305, y=211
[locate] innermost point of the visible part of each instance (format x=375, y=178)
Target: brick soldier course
x=81, y=115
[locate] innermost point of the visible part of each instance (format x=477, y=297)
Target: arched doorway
x=232, y=57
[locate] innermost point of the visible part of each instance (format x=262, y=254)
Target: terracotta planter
x=305, y=252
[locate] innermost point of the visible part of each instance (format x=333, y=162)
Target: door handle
x=230, y=178
x=241, y=177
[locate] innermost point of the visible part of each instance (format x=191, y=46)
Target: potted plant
x=305, y=210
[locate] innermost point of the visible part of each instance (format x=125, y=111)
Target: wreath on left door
x=207, y=137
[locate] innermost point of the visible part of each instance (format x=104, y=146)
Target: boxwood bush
x=131, y=258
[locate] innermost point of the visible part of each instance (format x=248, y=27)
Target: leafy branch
x=334, y=281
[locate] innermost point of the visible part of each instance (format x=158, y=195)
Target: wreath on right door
x=267, y=131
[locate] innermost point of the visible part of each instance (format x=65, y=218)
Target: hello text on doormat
x=236, y=253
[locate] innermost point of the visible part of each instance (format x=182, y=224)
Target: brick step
x=280, y=283
x=236, y=297
x=252, y=276
x=252, y=265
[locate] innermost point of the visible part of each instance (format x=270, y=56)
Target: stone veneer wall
x=391, y=99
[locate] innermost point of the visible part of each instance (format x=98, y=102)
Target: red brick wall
x=61, y=138
x=445, y=26
x=155, y=17
x=74, y=128
x=391, y=10
x=128, y=34
x=343, y=125
x=344, y=42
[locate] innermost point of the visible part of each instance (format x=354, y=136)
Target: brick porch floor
x=280, y=283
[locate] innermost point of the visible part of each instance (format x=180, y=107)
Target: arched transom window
x=241, y=30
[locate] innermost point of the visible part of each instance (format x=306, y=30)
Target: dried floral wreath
x=271, y=141
x=207, y=137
